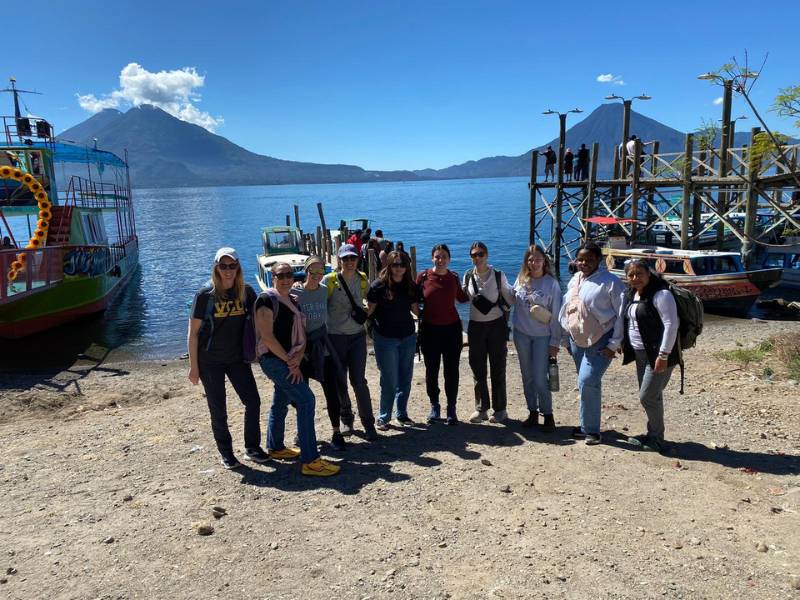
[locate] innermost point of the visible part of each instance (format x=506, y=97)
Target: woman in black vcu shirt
x=216, y=330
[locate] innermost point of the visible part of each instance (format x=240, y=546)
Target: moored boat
x=786, y=258
x=81, y=244
x=281, y=244
x=717, y=278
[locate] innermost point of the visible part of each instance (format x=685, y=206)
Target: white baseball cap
x=230, y=252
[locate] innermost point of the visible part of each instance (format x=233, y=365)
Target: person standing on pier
x=537, y=333
x=568, y=158
x=651, y=333
x=347, y=290
x=440, y=331
x=216, y=331
x=550, y=160
x=582, y=168
x=591, y=314
x=491, y=298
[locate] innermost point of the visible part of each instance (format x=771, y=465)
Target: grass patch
x=787, y=349
x=746, y=356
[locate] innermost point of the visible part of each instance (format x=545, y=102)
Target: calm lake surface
x=180, y=230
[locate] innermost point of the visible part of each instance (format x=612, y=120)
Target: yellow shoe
x=320, y=468
x=284, y=453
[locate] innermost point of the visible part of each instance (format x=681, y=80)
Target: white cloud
x=610, y=78
x=718, y=101
x=172, y=91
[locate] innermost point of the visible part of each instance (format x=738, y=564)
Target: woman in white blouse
x=651, y=332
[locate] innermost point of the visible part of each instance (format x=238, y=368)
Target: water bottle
x=552, y=374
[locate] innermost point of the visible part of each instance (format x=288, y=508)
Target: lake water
x=180, y=230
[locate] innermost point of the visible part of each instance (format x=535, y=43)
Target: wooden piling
x=751, y=206
x=591, y=190
x=288, y=221
x=532, y=189
x=687, y=192
x=637, y=172
x=412, y=252
x=297, y=216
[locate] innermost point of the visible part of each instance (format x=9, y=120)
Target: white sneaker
x=478, y=416
x=499, y=416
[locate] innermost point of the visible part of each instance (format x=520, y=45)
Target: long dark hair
x=442, y=247
x=385, y=276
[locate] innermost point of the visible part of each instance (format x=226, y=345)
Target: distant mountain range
x=164, y=151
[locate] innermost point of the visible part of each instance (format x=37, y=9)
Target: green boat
x=68, y=240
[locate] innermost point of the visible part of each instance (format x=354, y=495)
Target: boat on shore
x=717, y=278
x=69, y=240
x=786, y=258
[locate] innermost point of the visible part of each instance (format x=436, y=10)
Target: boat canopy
x=76, y=153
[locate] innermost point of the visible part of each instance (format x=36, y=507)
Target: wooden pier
x=672, y=192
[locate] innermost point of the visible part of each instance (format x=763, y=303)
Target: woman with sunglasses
x=591, y=314
x=321, y=362
x=391, y=300
x=491, y=296
x=441, y=333
x=651, y=333
x=216, y=330
x=281, y=341
x=537, y=333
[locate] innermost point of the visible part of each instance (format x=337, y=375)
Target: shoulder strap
x=346, y=289
x=501, y=301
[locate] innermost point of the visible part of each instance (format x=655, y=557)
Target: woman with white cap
x=216, y=332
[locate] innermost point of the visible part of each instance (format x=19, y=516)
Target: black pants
x=488, y=340
x=330, y=388
x=240, y=374
x=442, y=344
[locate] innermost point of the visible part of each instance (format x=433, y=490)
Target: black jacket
x=651, y=328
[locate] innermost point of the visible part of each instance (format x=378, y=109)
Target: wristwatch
x=663, y=355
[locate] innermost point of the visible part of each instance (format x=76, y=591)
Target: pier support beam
x=532, y=189
x=751, y=207
x=687, y=192
x=562, y=134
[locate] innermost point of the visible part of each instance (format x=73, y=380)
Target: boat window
x=773, y=260
x=711, y=265
x=675, y=266
x=794, y=263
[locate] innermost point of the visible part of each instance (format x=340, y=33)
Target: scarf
x=298, y=324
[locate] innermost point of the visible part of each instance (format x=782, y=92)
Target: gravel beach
x=110, y=481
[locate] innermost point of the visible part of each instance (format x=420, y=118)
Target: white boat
x=281, y=244
x=786, y=258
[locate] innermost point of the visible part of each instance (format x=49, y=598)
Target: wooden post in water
x=297, y=216
x=697, y=202
x=725, y=142
x=687, y=192
x=562, y=118
x=751, y=205
x=532, y=188
x=589, y=209
x=325, y=234
x=651, y=191
x=288, y=221
x=413, y=254
x=637, y=172
x=318, y=245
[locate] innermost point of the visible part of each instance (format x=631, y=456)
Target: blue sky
x=395, y=85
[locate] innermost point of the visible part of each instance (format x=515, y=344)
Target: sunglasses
x=398, y=266
x=477, y=254
x=228, y=266
x=284, y=275
x=349, y=258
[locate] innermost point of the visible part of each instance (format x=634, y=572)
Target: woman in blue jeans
x=391, y=300
x=537, y=333
x=592, y=317
x=281, y=341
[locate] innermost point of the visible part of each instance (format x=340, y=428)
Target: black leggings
x=240, y=374
x=442, y=344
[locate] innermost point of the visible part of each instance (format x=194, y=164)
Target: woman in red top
x=441, y=331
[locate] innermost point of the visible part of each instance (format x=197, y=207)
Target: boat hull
x=72, y=298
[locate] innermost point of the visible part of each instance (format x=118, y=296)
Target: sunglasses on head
x=480, y=254
x=228, y=266
x=398, y=265
x=315, y=272
x=284, y=275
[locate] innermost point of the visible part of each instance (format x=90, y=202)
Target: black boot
x=549, y=425
x=435, y=414
x=452, y=419
x=532, y=420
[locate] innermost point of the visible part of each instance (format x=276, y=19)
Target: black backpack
x=690, y=313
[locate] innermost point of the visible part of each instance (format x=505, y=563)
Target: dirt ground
x=107, y=470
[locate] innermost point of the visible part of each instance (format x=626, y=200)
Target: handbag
x=541, y=314
x=358, y=314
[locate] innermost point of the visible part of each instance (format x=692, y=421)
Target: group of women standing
x=317, y=329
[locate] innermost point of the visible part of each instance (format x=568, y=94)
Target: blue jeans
x=651, y=394
x=287, y=393
x=395, y=358
x=534, y=355
x=591, y=366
